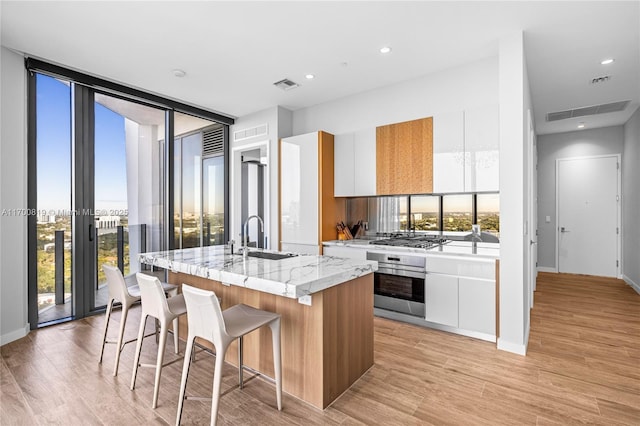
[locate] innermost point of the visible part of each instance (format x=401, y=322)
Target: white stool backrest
x=204, y=315
x=115, y=283
x=154, y=302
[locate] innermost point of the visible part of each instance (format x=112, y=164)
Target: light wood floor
x=582, y=366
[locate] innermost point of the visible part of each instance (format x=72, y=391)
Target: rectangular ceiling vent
x=261, y=130
x=286, y=84
x=213, y=142
x=601, y=79
x=591, y=110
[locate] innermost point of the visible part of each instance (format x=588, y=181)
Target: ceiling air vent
x=261, y=130
x=286, y=84
x=602, y=79
x=213, y=142
x=590, y=110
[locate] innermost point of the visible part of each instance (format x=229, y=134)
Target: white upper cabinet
x=355, y=163
x=299, y=189
x=466, y=150
x=482, y=148
x=364, y=144
x=448, y=152
x=343, y=165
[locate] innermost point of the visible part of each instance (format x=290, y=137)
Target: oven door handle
x=400, y=272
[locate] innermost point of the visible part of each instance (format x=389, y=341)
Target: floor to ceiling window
x=99, y=184
x=199, y=183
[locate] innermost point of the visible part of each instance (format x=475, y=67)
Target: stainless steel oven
x=399, y=282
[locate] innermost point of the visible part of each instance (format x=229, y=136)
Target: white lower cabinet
x=461, y=293
x=348, y=252
x=300, y=248
x=441, y=299
x=477, y=305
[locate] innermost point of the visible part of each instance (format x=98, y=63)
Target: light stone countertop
x=460, y=248
x=291, y=277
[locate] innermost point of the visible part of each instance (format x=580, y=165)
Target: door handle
x=90, y=232
x=563, y=230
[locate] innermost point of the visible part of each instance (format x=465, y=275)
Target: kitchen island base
x=326, y=347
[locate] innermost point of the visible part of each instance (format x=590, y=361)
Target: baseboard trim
x=547, y=269
x=515, y=348
x=14, y=335
x=633, y=285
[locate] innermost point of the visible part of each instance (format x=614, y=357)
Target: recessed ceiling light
x=581, y=126
x=179, y=73
x=385, y=49
x=607, y=61
x=309, y=76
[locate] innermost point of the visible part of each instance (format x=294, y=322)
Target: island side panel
x=301, y=337
x=348, y=334
x=326, y=347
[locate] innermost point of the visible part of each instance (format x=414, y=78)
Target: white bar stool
x=208, y=321
x=165, y=310
x=127, y=296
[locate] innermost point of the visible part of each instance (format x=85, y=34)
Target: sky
x=53, y=105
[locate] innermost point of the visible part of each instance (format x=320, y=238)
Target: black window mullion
x=169, y=179
x=83, y=221
x=98, y=83
x=32, y=204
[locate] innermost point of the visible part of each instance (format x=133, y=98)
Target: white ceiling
x=232, y=52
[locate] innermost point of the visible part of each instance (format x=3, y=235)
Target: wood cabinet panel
x=404, y=157
x=326, y=347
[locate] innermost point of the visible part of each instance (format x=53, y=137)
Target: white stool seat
x=243, y=319
x=208, y=321
x=127, y=295
x=156, y=305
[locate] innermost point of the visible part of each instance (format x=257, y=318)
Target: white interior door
x=588, y=215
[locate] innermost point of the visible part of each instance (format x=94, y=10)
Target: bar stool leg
x=217, y=381
x=176, y=342
x=136, y=360
x=123, y=323
x=240, y=362
x=185, y=375
x=106, y=327
x=277, y=360
x=163, y=342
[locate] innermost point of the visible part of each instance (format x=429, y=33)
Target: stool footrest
x=163, y=365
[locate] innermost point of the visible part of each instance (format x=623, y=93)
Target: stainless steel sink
x=270, y=256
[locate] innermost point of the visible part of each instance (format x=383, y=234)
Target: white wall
x=13, y=195
x=631, y=202
x=606, y=140
x=278, y=120
x=513, y=136
x=456, y=89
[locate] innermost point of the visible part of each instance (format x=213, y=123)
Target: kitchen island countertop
x=292, y=277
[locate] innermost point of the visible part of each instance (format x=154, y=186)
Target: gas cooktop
x=403, y=240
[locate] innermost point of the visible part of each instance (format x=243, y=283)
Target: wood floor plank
x=582, y=366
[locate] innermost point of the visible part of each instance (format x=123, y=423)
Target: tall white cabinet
x=308, y=209
x=466, y=150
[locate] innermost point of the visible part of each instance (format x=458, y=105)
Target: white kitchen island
x=326, y=304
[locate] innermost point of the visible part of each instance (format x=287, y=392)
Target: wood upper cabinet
x=404, y=157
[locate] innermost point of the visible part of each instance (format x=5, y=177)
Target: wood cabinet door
x=404, y=157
